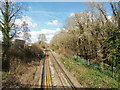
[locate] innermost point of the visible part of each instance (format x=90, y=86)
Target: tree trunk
x=5, y=55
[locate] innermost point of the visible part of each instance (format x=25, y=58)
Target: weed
x=89, y=77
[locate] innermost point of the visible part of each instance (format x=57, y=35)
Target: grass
x=102, y=67
x=88, y=77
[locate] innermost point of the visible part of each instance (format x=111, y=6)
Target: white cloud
x=34, y=34
x=110, y=18
x=48, y=33
x=54, y=22
x=57, y=29
x=34, y=25
x=72, y=14
x=27, y=19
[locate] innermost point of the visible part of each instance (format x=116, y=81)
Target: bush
x=37, y=51
x=17, y=56
x=27, y=52
x=103, y=67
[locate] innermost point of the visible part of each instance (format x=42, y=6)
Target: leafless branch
x=14, y=14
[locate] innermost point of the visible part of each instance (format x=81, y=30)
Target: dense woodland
x=92, y=34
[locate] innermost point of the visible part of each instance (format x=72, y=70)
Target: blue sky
x=48, y=17
x=41, y=13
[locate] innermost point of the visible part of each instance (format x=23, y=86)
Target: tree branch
x=11, y=11
x=3, y=31
x=13, y=34
x=14, y=14
x=99, y=8
x=1, y=22
x=116, y=9
x=113, y=9
x=13, y=22
x=1, y=11
x=1, y=28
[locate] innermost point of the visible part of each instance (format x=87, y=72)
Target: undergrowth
x=89, y=77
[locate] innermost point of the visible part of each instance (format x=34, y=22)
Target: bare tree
x=42, y=40
x=26, y=34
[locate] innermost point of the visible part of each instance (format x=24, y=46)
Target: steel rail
x=68, y=79
x=43, y=75
x=47, y=79
x=58, y=74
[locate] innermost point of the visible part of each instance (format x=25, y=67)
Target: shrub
x=26, y=52
x=22, y=56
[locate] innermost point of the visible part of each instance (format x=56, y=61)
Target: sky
x=48, y=17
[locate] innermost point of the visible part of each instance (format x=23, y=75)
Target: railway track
x=53, y=75
x=45, y=81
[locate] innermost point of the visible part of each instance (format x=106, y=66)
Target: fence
x=102, y=67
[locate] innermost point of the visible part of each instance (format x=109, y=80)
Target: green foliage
x=112, y=45
x=102, y=67
x=89, y=77
x=93, y=36
x=97, y=40
x=6, y=29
